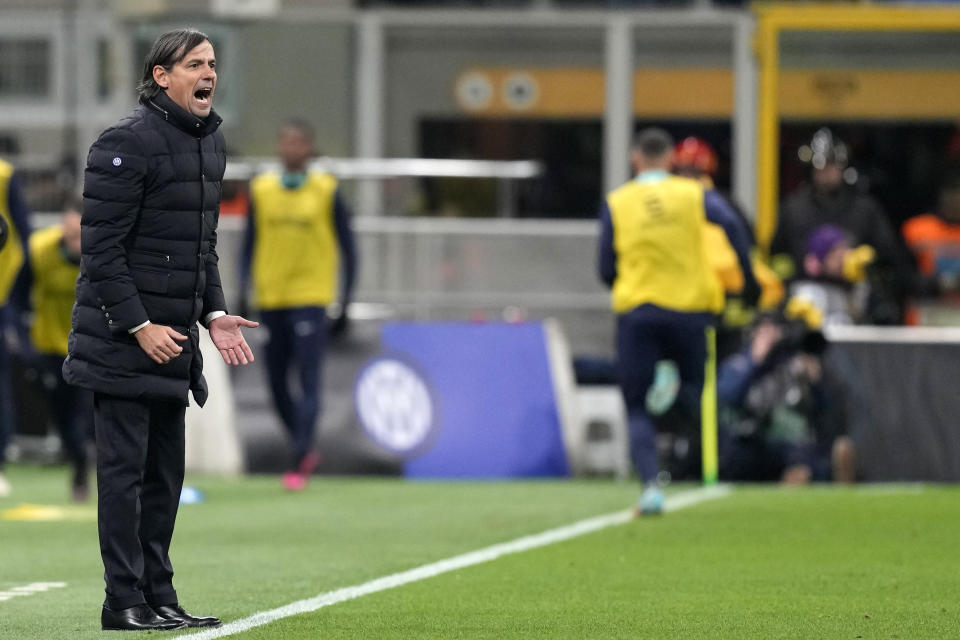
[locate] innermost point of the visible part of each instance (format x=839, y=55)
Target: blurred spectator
x=665, y=294
x=783, y=414
x=55, y=265
x=298, y=237
x=694, y=158
x=13, y=296
x=834, y=276
x=832, y=198
x=934, y=239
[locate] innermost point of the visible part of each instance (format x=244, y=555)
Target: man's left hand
x=226, y=336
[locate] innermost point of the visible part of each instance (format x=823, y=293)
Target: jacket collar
x=162, y=105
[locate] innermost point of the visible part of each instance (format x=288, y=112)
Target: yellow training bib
x=11, y=256
x=658, y=239
x=53, y=291
x=295, y=253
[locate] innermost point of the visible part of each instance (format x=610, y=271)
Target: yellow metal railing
x=772, y=20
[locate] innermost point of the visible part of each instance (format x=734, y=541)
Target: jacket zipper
x=203, y=184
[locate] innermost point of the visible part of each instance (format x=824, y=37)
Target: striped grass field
x=761, y=562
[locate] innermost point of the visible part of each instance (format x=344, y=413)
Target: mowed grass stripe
x=765, y=563
x=252, y=546
x=487, y=554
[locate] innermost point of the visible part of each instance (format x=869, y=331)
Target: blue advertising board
x=462, y=400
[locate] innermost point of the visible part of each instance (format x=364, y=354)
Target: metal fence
x=474, y=270
x=435, y=268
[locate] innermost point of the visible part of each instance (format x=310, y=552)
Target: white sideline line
x=673, y=503
x=892, y=488
x=29, y=589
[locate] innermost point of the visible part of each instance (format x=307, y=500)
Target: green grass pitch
x=763, y=562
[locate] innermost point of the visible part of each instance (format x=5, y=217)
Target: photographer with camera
x=783, y=412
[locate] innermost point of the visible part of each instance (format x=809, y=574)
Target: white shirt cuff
x=213, y=315
x=138, y=327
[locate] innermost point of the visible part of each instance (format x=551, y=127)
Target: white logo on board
x=474, y=91
x=520, y=91
x=394, y=405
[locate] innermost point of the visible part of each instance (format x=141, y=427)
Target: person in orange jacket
x=934, y=239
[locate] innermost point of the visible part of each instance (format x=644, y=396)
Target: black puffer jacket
x=151, y=205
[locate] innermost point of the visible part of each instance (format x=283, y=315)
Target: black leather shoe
x=176, y=612
x=137, y=618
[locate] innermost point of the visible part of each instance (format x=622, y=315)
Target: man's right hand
x=157, y=341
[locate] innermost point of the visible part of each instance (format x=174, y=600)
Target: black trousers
x=646, y=335
x=298, y=339
x=72, y=410
x=140, y=466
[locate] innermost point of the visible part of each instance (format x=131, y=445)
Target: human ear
x=160, y=76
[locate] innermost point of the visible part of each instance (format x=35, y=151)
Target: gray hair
x=169, y=49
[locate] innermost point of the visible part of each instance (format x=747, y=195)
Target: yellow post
x=768, y=160
x=708, y=412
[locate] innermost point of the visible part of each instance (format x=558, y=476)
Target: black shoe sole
x=205, y=626
x=177, y=628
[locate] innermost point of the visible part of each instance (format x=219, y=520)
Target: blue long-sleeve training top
x=20, y=215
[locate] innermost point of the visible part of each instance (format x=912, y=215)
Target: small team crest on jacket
x=117, y=161
x=394, y=404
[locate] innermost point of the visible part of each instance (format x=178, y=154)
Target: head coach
x=148, y=274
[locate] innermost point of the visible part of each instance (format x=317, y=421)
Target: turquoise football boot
x=651, y=502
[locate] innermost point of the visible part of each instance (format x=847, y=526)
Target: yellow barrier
x=708, y=412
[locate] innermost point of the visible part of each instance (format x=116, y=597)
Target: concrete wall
x=693, y=46
x=828, y=50
x=304, y=63
x=293, y=69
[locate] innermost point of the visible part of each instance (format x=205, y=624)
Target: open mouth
x=203, y=95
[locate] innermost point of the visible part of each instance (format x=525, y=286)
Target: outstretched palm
x=226, y=336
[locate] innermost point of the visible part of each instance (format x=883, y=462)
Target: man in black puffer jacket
x=148, y=274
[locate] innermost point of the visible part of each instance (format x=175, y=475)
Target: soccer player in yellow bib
x=13, y=293
x=664, y=291
x=298, y=242
x=55, y=265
